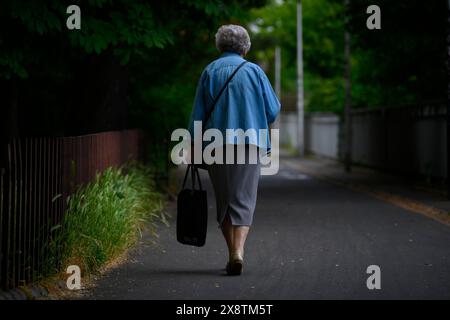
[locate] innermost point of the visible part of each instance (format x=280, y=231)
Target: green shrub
x=107, y=216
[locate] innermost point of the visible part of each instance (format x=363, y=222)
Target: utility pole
x=276, y=124
x=448, y=99
x=278, y=70
x=300, y=97
x=348, y=113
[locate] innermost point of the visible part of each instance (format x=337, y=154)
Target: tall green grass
x=107, y=216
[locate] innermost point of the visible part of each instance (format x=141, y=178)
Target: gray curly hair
x=233, y=38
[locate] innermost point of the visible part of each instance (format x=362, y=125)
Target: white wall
x=288, y=129
x=321, y=133
x=398, y=142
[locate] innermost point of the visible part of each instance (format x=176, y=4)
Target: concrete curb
x=24, y=293
x=14, y=294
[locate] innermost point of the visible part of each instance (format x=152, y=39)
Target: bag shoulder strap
x=211, y=109
x=194, y=173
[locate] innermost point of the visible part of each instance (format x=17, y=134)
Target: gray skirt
x=236, y=187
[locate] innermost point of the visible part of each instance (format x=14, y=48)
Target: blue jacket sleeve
x=271, y=103
x=199, y=107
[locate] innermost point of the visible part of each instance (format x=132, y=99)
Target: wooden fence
x=35, y=181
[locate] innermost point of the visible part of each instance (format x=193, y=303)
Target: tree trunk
x=300, y=96
x=448, y=99
x=348, y=114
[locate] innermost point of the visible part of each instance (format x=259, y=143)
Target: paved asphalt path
x=310, y=240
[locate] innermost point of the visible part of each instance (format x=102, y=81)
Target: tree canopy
x=133, y=63
x=403, y=63
x=136, y=63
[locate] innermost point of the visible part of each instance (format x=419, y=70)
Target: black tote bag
x=192, y=211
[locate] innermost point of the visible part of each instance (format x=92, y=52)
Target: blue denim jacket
x=249, y=101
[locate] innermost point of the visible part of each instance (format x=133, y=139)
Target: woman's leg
x=227, y=230
x=235, y=265
x=239, y=236
x=235, y=236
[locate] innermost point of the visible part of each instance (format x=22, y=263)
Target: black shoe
x=236, y=265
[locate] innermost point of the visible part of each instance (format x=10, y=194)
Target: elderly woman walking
x=245, y=100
